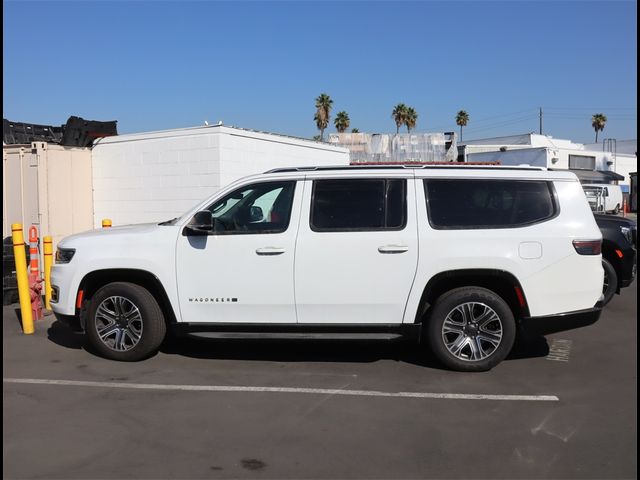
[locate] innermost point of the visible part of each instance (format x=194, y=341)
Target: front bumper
x=628, y=268
x=562, y=321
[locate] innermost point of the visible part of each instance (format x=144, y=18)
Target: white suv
x=455, y=256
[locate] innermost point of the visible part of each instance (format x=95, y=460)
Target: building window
x=582, y=162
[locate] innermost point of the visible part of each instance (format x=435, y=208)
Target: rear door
x=357, y=250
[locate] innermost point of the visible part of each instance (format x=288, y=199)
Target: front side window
x=358, y=205
x=258, y=208
x=472, y=204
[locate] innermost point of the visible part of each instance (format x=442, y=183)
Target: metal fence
x=398, y=148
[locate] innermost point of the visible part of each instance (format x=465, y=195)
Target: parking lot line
x=256, y=389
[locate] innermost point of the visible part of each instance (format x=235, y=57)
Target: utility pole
x=540, y=120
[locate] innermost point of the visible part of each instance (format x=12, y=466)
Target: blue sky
x=157, y=65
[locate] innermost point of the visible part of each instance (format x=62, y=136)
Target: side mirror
x=202, y=221
x=255, y=214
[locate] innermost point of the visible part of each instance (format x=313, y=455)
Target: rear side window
x=469, y=204
x=358, y=205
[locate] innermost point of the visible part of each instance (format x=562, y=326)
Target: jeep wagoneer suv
x=457, y=257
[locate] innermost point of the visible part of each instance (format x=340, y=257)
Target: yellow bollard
x=106, y=222
x=48, y=261
x=23, y=281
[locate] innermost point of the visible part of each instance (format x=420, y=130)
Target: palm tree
x=323, y=109
x=342, y=121
x=462, y=118
x=411, y=119
x=399, y=115
x=355, y=130
x=597, y=122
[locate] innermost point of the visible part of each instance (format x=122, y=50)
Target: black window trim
x=351, y=230
x=264, y=232
x=552, y=191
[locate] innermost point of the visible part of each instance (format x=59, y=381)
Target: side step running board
x=374, y=336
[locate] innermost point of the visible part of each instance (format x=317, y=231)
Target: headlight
x=64, y=255
x=627, y=232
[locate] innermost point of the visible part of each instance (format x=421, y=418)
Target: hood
x=110, y=233
x=612, y=220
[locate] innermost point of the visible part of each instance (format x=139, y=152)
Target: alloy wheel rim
x=472, y=331
x=118, y=323
x=605, y=286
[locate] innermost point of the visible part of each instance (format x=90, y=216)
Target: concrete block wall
x=156, y=176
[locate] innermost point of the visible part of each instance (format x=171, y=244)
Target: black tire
x=616, y=210
x=480, y=298
x=610, y=285
x=149, y=318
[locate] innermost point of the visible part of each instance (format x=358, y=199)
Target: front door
x=357, y=250
x=242, y=272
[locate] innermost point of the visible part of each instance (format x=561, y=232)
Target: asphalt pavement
x=559, y=407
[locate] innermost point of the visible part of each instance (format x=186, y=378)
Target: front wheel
x=125, y=322
x=471, y=329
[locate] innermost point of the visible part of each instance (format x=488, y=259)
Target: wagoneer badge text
x=212, y=300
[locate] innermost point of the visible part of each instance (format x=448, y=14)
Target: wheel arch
x=96, y=279
x=501, y=282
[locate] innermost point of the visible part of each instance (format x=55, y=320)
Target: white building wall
x=624, y=165
x=558, y=152
x=156, y=176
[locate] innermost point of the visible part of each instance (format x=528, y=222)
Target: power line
x=590, y=108
x=504, y=116
x=503, y=124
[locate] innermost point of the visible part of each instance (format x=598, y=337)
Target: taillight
x=588, y=247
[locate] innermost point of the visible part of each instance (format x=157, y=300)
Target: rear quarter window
x=474, y=204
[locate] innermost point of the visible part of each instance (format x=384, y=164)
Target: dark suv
x=619, y=240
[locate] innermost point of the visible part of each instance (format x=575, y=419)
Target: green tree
x=323, y=110
x=598, y=122
x=411, y=119
x=355, y=130
x=341, y=122
x=399, y=115
x=462, y=119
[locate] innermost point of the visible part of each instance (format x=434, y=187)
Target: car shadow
x=63, y=335
x=352, y=351
x=526, y=346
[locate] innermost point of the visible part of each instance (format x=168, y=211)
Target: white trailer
x=154, y=176
x=536, y=157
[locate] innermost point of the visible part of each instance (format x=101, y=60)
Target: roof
x=220, y=129
x=436, y=166
x=598, y=176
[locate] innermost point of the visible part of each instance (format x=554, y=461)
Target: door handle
x=393, y=249
x=270, y=251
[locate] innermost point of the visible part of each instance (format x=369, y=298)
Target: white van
x=604, y=197
x=457, y=257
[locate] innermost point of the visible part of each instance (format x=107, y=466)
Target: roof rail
x=433, y=165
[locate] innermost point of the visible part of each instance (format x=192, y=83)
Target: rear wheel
x=610, y=285
x=616, y=210
x=471, y=329
x=125, y=322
